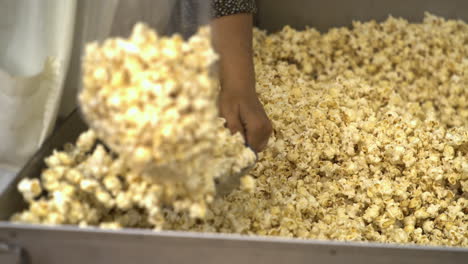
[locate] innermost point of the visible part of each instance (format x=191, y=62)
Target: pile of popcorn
x=152, y=101
x=370, y=138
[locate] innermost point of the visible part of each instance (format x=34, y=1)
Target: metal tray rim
x=225, y=236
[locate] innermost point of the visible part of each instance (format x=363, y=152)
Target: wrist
x=237, y=77
x=238, y=87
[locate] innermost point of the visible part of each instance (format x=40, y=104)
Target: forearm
x=238, y=100
x=232, y=40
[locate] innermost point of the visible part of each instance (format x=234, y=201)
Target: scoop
x=225, y=184
x=162, y=119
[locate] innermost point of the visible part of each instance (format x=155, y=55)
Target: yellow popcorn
x=153, y=101
x=158, y=112
x=29, y=188
x=248, y=183
x=86, y=141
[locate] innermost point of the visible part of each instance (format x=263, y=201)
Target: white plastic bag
x=35, y=44
x=94, y=21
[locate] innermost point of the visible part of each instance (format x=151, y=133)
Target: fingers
x=234, y=124
x=233, y=120
x=247, y=116
x=258, y=130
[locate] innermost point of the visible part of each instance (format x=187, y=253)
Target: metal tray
x=21, y=243
x=69, y=244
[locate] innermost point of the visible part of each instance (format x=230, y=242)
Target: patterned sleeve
x=231, y=7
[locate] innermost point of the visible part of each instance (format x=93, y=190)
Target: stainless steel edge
x=274, y=14
x=59, y=244
x=10, y=253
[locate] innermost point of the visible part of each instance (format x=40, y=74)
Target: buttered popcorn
x=370, y=142
x=30, y=188
x=152, y=100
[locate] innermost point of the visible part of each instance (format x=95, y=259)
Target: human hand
x=244, y=113
x=238, y=101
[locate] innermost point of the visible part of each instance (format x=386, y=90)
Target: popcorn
x=248, y=183
x=86, y=141
x=152, y=100
x=29, y=188
x=370, y=141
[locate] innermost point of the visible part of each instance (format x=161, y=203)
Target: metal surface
x=12, y=254
x=71, y=245
x=274, y=14
x=227, y=183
